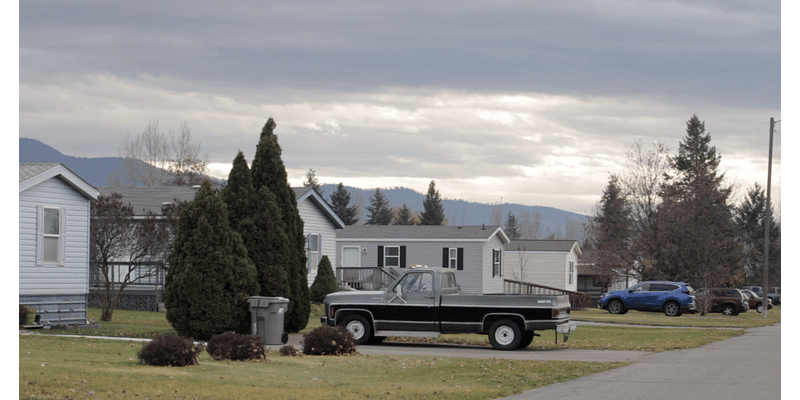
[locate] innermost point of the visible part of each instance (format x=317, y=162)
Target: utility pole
x=765, y=288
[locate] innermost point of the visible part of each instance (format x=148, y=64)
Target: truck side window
x=418, y=282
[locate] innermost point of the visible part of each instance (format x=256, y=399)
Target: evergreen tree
x=379, y=211
x=311, y=181
x=511, y=227
x=255, y=216
x=434, y=211
x=324, y=282
x=696, y=236
x=610, y=230
x=405, y=216
x=749, y=219
x=210, y=276
x=340, y=203
x=269, y=172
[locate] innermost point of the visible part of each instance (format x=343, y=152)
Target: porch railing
x=363, y=278
x=578, y=300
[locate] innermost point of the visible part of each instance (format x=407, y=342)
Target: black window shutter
x=402, y=256
x=460, y=259
x=380, y=256
x=445, y=257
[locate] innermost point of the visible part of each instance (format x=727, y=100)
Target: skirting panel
x=58, y=309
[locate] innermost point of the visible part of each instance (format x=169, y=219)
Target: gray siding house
x=54, y=228
x=474, y=252
x=552, y=263
x=320, y=226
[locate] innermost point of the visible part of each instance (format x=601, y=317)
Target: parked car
x=722, y=300
x=755, y=302
x=755, y=289
x=673, y=298
x=774, y=294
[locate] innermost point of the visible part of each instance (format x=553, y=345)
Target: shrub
x=289, y=351
x=236, y=347
x=170, y=351
x=327, y=340
x=324, y=282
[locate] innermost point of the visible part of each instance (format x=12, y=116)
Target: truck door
x=411, y=305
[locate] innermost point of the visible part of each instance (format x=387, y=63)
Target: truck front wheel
x=505, y=335
x=359, y=327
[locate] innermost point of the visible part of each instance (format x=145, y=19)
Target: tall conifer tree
x=269, y=172
x=379, y=211
x=434, y=211
x=340, y=203
x=210, y=276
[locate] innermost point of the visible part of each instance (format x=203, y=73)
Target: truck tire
x=505, y=335
x=359, y=327
x=527, y=339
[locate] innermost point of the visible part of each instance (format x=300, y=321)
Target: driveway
x=744, y=367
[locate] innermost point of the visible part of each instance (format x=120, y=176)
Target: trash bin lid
x=262, y=301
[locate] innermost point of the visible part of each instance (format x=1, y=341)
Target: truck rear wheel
x=359, y=327
x=505, y=335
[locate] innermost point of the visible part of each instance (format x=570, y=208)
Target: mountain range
x=555, y=223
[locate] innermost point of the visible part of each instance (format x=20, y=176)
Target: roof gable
x=309, y=193
x=31, y=175
x=422, y=233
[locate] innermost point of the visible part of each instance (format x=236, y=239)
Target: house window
x=571, y=271
x=391, y=256
x=453, y=257
x=51, y=237
x=497, y=267
x=314, y=245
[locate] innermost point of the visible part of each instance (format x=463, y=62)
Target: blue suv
x=674, y=298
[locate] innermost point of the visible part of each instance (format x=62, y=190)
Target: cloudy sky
x=531, y=102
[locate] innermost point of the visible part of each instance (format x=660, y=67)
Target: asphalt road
x=730, y=369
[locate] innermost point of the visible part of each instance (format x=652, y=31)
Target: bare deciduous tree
x=153, y=158
x=123, y=251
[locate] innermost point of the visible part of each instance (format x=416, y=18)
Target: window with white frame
x=51, y=237
x=314, y=246
x=571, y=271
x=453, y=259
x=391, y=256
x=497, y=267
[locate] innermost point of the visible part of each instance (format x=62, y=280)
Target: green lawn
x=64, y=367
x=749, y=319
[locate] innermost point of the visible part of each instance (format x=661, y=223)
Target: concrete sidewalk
x=744, y=367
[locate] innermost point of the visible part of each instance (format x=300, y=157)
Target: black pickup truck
x=426, y=302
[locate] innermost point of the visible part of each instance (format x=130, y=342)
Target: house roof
x=31, y=175
x=562, y=246
x=309, y=193
x=421, y=233
x=146, y=199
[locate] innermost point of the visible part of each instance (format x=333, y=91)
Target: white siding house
x=320, y=224
x=551, y=263
x=54, y=228
x=474, y=252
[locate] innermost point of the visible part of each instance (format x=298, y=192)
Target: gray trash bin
x=266, y=318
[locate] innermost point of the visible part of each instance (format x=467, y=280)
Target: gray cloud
x=410, y=91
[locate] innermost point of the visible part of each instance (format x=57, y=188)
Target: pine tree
x=434, y=211
x=750, y=218
x=324, y=282
x=210, y=276
x=379, y=211
x=340, y=203
x=405, y=216
x=312, y=181
x=611, y=232
x=268, y=171
x=511, y=227
x=696, y=236
x=255, y=216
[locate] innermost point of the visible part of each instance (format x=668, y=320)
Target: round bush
x=236, y=347
x=170, y=351
x=329, y=341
